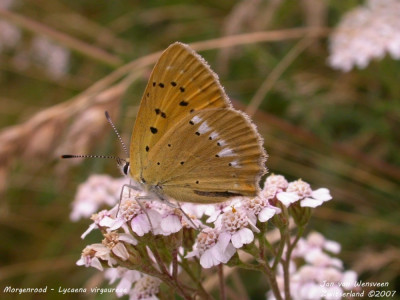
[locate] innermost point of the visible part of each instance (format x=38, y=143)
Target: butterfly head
x=123, y=165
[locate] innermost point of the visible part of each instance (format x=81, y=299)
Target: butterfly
x=188, y=142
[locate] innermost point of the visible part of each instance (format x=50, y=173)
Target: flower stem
x=286, y=262
x=196, y=279
x=271, y=280
x=221, y=282
x=284, y=234
x=175, y=264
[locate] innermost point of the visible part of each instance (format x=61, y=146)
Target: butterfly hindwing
x=207, y=157
x=181, y=84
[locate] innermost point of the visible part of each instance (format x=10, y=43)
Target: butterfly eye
x=125, y=170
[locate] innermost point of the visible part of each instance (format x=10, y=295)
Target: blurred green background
x=63, y=63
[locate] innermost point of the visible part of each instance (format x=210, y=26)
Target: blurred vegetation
x=332, y=129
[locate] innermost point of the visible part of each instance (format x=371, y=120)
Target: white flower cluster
x=365, y=33
x=10, y=34
x=45, y=54
x=52, y=56
x=321, y=276
x=97, y=191
x=221, y=229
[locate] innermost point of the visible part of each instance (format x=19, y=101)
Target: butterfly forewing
x=181, y=84
x=208, y=156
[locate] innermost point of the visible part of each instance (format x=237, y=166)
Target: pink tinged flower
x=212, y=248
x=197, y=210
x=128, y=209
x=308, y=290
x=241, y=237
x=101, y=219
x=317, y=198
x=234, y=224
x=287, y=198
x=277, y=181
x=348, y=279
x=216, y=210
x=260, y=207
x=333, y=292
x=128, y=277
x=365, y=33
x=146, y=288
x=92, y=254
x=146, y=222
x=300, y=187
x=97, y=191
x=170, y=224
x=268, y=212
x=317, y=240
x=113, y=241
x=318, y=258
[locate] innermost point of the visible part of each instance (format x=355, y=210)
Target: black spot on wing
x=183, y=103
x=153, y=130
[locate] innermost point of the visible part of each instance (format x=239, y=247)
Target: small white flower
x=259, y=207
x=211, y=248
x=301, y=190
x=128, y=277
x=10, y=35
x=146, y=288
x=307, y=282
x=101, y=219
x=92, y=255
x=171, y=222
x=287, y=198
x=96, y=191
x=215, y=210
x=54, y=57
x=366, y=33
x=234, y=225
x=278, y=181
x=317, y=198
x=113, y=241
x=197, y=210
x=146, y=222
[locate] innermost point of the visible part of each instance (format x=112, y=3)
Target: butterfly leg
x=173, y=205
x=137, y=199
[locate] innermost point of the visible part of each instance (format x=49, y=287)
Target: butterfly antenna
x=118, y=159
x=117, y=133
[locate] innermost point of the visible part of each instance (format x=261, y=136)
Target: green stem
x=196, y=279
x=286, y=263
x=266, y=269
x=221, y=281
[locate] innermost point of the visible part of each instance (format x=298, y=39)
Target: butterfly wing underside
x=181, y=83
x=208, y=157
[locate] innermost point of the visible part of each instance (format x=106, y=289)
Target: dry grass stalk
x=273, y=77
x=315, y=12
x=64, y=39
x=242, y=13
